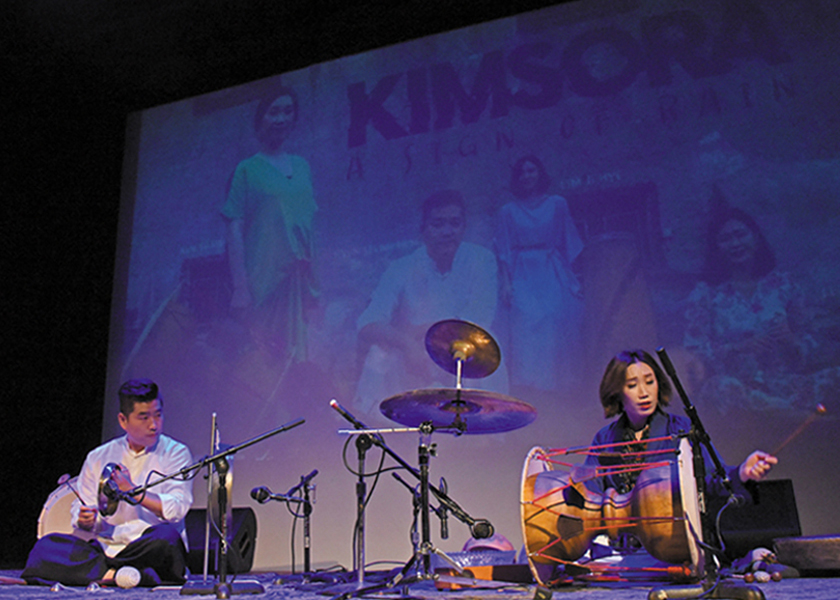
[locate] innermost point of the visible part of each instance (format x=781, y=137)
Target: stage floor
x=293, y=588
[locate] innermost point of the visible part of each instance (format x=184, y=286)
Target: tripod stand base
x=724, y=589
x=221, y=590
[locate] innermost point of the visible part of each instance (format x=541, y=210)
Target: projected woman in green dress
x=270, y=209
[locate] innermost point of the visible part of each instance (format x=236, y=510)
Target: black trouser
x=159, y=554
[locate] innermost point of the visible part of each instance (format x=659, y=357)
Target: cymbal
x=450, y=340
x=471, y=411
x=108, y=498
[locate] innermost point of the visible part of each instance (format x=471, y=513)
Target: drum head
x=691, y=507
x=534, y=463
x=55, y=515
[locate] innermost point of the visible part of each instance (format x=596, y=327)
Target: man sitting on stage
x=143, y=541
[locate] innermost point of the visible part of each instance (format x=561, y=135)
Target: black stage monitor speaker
x=243, y=542
x=772, y=515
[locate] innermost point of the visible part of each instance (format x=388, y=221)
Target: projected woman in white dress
x=270, y=209
x=536, y=244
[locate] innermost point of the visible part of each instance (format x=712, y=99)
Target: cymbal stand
x=425, y=450
x=479, y=528
x=421, y=559
x=460, y=355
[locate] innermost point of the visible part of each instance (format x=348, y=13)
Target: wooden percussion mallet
x=65, y=480
x=819, y=411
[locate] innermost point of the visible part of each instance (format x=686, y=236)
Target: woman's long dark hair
x=717, y=269
x=516, y=172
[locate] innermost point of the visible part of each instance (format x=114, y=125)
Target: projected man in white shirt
x=445, y=278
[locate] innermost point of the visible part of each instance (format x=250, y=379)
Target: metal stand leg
x=307, y=539
x=222, y=589
x=422, y=557
x=363, y=444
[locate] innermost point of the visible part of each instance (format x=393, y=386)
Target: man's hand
x=122, y=478
x=87, y=518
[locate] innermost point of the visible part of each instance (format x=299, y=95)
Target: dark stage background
x=645, y=149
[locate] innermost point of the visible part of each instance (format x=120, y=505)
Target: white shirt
x=166, y=457
x=413, y=291
x=413, y=287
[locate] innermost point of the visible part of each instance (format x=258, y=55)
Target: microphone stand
x=307, y=540
x=711, y=586
x=415, y=513
x=363, y=444
x=140, y=489
x=479, y=528
x=219, y=459
x=214, y=447
x=425, y=449
x=307, y=512
x=440, y=511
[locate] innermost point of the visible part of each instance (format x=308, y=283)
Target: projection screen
x=650, y=120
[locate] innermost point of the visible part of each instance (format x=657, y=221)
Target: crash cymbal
x=471, y=411
x=451, y=340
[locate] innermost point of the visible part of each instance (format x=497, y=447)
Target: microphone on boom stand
x=263, y=494
x=443, y=512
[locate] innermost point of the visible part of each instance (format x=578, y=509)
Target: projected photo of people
x=537, y=244
x=270, y=209
x=445, y=278
x=291, y=241
x=749, y=325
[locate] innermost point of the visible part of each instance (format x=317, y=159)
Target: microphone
x=443, y=512
x=356, y=423
x=304, y=480
x=261, y=494
x=481, y=529
x=308, y=478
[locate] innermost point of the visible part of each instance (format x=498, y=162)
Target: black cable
x=376, y=474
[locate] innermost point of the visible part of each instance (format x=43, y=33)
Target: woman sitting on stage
x=635, y=388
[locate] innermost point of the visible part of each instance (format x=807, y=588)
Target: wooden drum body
x=561, y=516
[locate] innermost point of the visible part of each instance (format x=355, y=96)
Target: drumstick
x=818, y=412
x=65, y=480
